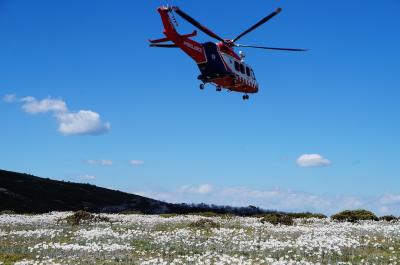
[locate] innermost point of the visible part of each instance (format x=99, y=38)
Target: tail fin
x=189, y=46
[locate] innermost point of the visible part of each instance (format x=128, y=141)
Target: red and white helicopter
x=219, y=64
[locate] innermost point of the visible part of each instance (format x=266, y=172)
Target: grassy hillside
x=23, y=193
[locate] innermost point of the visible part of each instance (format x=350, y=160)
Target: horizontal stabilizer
x=159, y=40
x=194, y=33
x=163, y=45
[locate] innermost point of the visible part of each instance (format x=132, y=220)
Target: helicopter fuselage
x=226, y=69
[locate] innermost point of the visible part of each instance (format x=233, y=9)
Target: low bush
x=354, y=216
x=204, y=224
x=307, y=215
x=277, y=218
x=388, y=218
x=82, y=216
x=7, y=212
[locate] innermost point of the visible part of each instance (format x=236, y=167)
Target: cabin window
x=242, y=68
x=237, y=66
x=247, y=71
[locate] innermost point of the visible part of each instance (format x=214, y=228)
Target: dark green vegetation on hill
x=23, y=193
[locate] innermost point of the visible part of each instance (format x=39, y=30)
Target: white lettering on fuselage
x=191, y=46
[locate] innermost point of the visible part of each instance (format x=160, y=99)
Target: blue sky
x=85, y=99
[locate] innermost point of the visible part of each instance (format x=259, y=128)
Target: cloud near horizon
x=313, y=160
x=101, y=162
x=82, y=122
x=135, y=162
x=201, y=189
x=276, y=199
x=87, y=177
x=9, y=98
x=389, y=199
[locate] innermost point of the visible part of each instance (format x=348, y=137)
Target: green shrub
x=307, y=215
x=7, y=212
x=354, y=216
x=277, y=218
x=388, y=218
x=82, y=216
x=204, y=224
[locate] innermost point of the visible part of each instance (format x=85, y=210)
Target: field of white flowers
x=151, y=239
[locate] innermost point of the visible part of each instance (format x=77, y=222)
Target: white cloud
x=69, y=123
x=33, y=106
x=82, y=122
x=136, y=162
x=201, y=189
x=102, y=162
x=9, y=98
x=87, y=177
x=390, y=199
x=312, y=160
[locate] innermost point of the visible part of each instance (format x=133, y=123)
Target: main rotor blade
x=163, y=45
x=271, y=48
x=197, y=24
x=262, y=21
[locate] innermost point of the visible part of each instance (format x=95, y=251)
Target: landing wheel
x=245, y=97
x=201, y=86
x=219, y=89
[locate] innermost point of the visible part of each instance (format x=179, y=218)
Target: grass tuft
x=82, y=216
x=204, y=224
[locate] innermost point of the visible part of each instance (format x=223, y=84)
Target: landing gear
x=201, y=86
x=245, y=97
x=219, y=88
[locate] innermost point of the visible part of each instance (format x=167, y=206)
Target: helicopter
x=219, y=64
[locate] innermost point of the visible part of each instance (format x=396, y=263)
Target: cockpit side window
x=247, y=71
x=242, y=68
x=237, y=66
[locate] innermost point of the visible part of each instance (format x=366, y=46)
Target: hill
x=24, y=193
